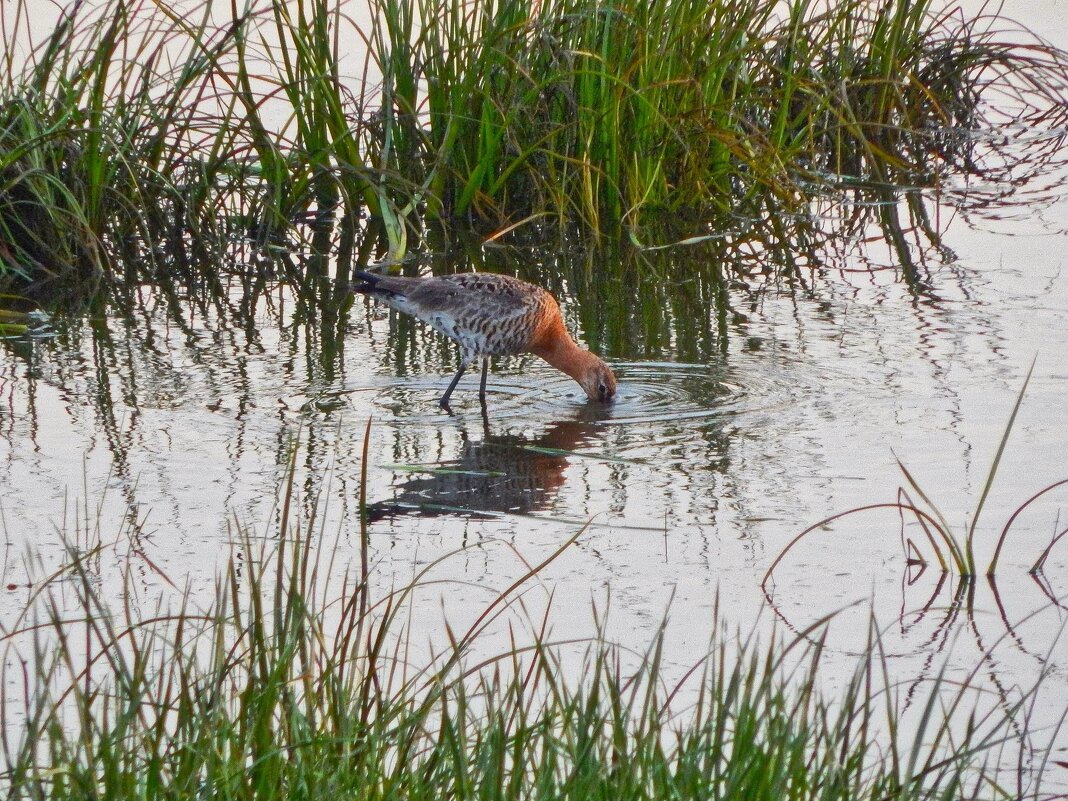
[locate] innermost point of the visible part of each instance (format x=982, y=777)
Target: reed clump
x=604, y=111
x=283, y=688
x=140, y=139
x=137, y=144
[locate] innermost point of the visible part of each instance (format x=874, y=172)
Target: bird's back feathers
x=487, y=314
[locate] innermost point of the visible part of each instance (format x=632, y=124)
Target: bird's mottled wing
x=487, y=314
x=480, y=296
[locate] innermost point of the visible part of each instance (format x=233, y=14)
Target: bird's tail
x=382, y=286
x=369, y=282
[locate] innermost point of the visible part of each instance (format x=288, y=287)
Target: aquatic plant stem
x=992, y=473
x=790, y=545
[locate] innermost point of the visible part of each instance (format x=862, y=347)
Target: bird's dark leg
x=482, y=396
x=444, y=402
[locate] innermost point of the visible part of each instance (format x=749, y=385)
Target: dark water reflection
x=495, y=474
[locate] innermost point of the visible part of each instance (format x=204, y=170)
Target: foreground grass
x=139, y=140
x=286, y=689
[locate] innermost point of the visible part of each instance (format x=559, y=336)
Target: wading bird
x=492, y=315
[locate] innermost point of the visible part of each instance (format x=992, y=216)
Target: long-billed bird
x=492, y=315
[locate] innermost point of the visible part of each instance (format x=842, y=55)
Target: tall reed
x=140, y=139
x=605, y=110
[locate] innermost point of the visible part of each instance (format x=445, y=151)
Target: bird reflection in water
x=506, y=473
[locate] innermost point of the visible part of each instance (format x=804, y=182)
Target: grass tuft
x=285, y=688
x=140, y=140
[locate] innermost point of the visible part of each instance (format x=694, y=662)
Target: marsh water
x=154, y=430
x=747, y=411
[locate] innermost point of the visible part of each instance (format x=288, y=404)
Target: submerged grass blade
x=439, y=471
x=920, y=513
x=581, y=454
x=945, y=531
x=992, y=568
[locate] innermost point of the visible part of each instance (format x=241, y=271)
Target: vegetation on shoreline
x=286, y=687
x=138, y=141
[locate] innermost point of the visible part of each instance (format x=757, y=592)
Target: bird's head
x=598, y=380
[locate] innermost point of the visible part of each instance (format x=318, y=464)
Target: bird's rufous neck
x=566, y=356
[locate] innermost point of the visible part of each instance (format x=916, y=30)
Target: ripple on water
x=649, y=393
x=539, y=394
x=652, y=392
